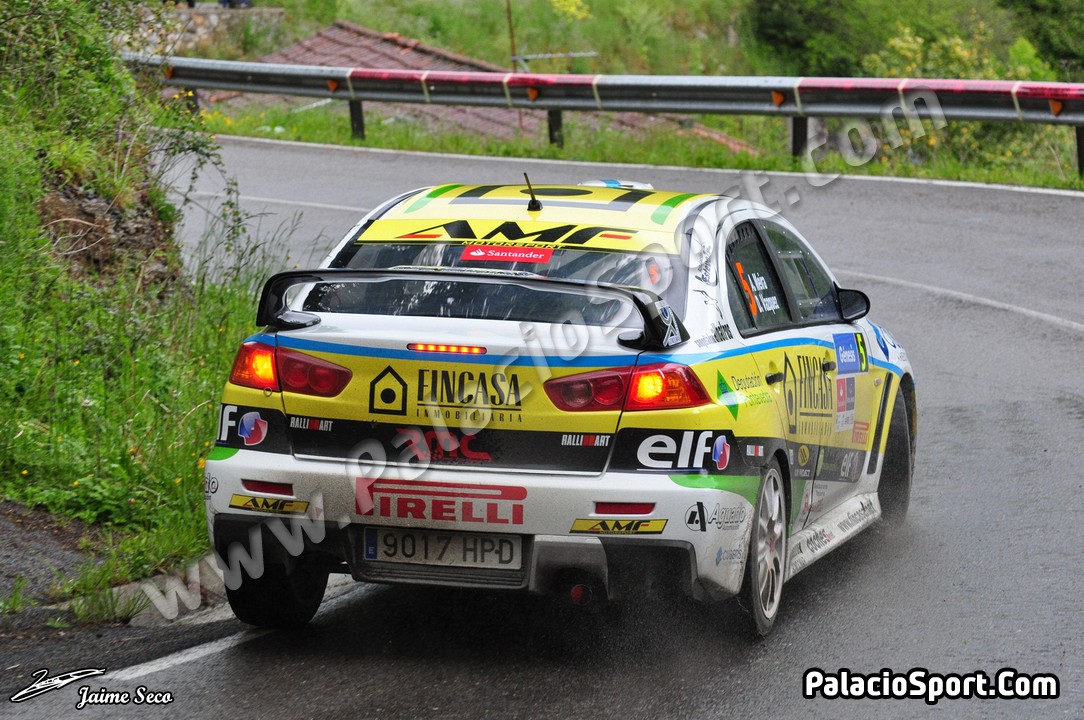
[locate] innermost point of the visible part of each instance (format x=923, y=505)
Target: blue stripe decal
x=518, y=360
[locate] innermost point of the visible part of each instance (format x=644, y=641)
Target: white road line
x=355, y=591
x=280, y=201
x=974, y=299
x=185, y=656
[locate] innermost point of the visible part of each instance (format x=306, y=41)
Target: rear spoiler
x=662, y=328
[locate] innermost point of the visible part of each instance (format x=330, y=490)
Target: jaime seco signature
x=43, y=683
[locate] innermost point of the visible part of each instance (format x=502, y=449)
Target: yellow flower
x=22, y=356
x=76, y=362
x=26, y=472
x=202, y=463
x=75, y=484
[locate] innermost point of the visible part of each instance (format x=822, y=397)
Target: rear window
x=481, y=298
x=659, y=273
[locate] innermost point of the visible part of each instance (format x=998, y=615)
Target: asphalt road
x=981, y=285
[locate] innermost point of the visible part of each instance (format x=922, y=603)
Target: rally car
x=556, y=389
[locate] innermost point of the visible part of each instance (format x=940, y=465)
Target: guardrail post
x=1080, y=150
x=556, y=127
x=799, y=135
x=357, y=119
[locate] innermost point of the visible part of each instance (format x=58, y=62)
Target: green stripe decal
x=222, y=453
x=748, y=486
x=663, y=211
x=431, y=195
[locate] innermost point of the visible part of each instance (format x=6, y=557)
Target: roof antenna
x=533, y=205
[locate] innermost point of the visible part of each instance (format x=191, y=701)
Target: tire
x=765, y=567
x=278, y=599
x=894, y=487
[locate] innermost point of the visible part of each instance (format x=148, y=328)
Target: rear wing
x=661, y=327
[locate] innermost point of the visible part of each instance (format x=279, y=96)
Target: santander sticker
x=506, y=253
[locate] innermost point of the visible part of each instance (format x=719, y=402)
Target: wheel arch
x=781, y=459
x=907, y=386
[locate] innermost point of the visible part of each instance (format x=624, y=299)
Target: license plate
x=421, y=547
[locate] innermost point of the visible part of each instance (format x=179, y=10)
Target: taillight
x=266, y=368
x=661, y=386
x=308, y=375
x=600, y=390
x=665, y=386
x=254, y=367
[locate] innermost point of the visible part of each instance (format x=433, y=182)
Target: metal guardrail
x=1045, y=103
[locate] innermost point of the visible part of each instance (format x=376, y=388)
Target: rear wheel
x=279, y=599
x=766, y=565
x=894, y=487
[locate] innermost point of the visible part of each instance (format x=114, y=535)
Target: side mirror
x=854, y=304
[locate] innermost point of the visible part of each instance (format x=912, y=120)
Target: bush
x=909, y=55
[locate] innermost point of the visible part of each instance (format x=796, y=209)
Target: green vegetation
x=111, y=358
x=17, y=600
x=930, y=38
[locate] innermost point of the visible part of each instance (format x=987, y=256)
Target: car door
x=830, y=386
x=795, y=364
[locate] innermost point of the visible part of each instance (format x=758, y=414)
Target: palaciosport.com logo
x=1007, y=683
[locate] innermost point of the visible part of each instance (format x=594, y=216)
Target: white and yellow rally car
x=556, y=389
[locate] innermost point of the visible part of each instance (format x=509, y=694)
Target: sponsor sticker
x=699, y=516
x=440, y=501
x=585, y=440
x=618, y=527
x=506, y=253
x=690, y=451
x=851, y=354
x=279, y=506
x=252, y=428
x=845, y=404
x=388, y=393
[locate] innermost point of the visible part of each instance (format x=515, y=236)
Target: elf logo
x=690, y=451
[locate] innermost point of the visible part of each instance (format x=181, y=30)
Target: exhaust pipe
x=581, y=595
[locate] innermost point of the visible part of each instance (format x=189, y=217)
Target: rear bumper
x=564, y=540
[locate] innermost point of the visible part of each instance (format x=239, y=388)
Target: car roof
x=603, y=218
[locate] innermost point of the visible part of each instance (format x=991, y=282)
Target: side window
x=756, y=298
x=805, y=277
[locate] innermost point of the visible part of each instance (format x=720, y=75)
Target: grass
x=17, y=600
x=111, y=359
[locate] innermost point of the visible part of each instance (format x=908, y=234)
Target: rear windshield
x=659, y=273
